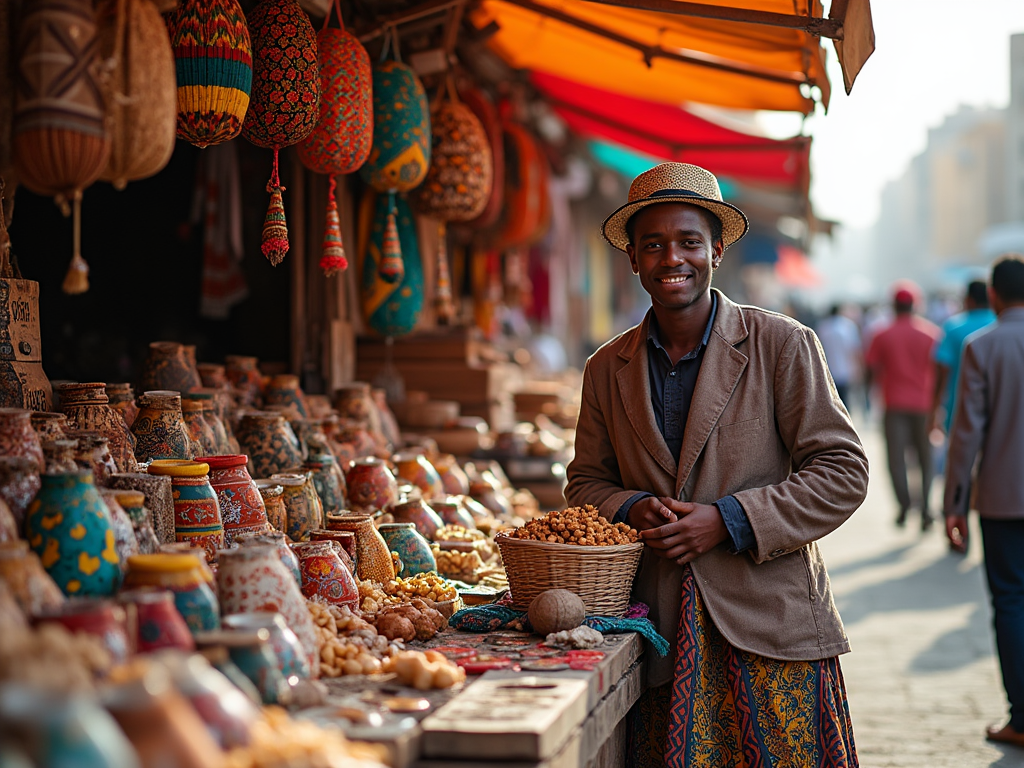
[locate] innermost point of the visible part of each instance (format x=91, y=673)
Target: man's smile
x=674, y=279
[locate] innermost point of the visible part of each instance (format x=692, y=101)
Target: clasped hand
x=677, y=530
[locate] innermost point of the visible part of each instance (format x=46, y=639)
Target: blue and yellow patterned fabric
x=400, y=155
x=390, y=309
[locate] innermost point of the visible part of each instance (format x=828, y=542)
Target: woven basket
x=601, y=576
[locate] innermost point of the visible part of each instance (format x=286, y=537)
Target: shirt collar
x=654, y=338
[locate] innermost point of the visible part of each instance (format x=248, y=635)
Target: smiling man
x=716, y=430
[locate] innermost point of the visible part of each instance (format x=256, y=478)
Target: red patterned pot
x=345, y=539
x=281, y=544
x=17, y=438
x=241, y=505
x=414, y=468
x=156, y=622
x=371, y=486
x=357, y=435
x=453, y=513
x=453, y=478
x=325, y=576
x=94, y=616
x=197, y=517
x=413, y=509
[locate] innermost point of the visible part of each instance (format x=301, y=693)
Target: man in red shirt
x=900, y=357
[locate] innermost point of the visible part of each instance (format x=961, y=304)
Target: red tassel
x=333, y=259
x=275, y=227
x=391, y=268
x=443, y=306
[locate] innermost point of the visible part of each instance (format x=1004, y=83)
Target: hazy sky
x=930, y=57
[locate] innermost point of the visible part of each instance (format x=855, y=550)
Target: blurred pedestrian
x=900, y=357
x=840, y=338
x=989, y=420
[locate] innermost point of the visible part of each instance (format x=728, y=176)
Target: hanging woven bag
x=341, y=141
x=525, y=208
x=487, y=114
x=60, y=141
x=142, y=96
x=285, y=102
x=213, y=65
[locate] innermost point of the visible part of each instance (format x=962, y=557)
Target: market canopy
x=758, y=54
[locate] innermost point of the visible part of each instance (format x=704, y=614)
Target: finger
x=662, y=511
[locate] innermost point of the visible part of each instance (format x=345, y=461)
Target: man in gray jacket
x=989, y=422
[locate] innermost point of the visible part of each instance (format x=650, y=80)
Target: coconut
x=556, y=610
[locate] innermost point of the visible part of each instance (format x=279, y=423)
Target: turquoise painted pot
x=68, y=526
x=291, y=658
x=413, y=550
x=327, y=479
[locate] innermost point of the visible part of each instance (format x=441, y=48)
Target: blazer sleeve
x=593, y=475
x=970, y=421
x=829, y=468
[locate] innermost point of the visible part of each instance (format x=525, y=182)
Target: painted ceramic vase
x=17, y=438
x=87, y=408
x=60, y=456
x=220, y=660
x=354, y=401
x=184, y=576
x=413, y=550
x=346, y=540
x=345, y=453
x=94, y=616
x=159, y=499
x=270, y=442
x=210, y=409
x=280, y=542
x=213, y=375
x=290, y=655
x=253, y=579
x=124, y=532
x=169, y=367
x=204, y=439
x=273, y=502
x=68, y=526
x=413, y=509
x=371, y=486
x=327, y=476
x=19, y=484
x=134, y=504
x=302, y=504
x=252, y=653
x=374, y=558
x=92, y=452
x=121, y=398
x=452, y=512
x=415, y=468
x=241, y=505
x=49, y=425
x=197, y=517
x=244, y=375
x=156, y=621
x=453, y=478
x=33, y=588
x=284, y=390
x=159, y=428
x=324, y=575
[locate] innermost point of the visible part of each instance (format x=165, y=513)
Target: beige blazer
x=765, y=425
x=989, y=419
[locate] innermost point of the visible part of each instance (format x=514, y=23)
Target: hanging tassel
x=275, y=228
x=391, y=268
x=333, y=259
x=443, y=306
x=77, y=278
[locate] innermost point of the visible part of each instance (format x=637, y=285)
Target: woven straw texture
x=703, y=190
x=341, y=141
x=213, y=64
x=601, y=576
x=60, y=143
x=285, y=103
x=142, y=101
x=461, y=173
x=400, y=155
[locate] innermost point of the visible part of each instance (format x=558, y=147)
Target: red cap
x=904, y=296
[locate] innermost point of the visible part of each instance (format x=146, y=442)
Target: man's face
x=673, y=254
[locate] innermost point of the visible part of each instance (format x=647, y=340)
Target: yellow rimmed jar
x=184, y=575
x=197, y=518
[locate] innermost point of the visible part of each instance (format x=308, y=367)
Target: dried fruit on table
x=428, y=585
x=582, y=526
x=417, y=620
x=458, y=565
x=424, y=671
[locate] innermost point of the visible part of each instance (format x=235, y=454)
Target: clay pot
x=412, y=549
x=155, y=621
x=241, y=505
x=415, y=468
x=49, y=425
x=185, y=577
x=284, y=390
x=452, y=512
x=69, y=528
x=495, y=501
x=253, y=579
x=319, y=406
x=302, y=504
x=197, y=518
x=413, y=509
x=213, y=375
x=324, y=575
x=92, y=452
x=357, y=435
x=103, y=618
x=354, y=401
x=134, y=504
x=327, y=476
x=291, y=656
x=169, y=367
x=17, y=438
x=33, y=588
x=388, y=422
x=345, y=453
x=374, y=558
x=124, y=532
x=280, y=542
x=453, y=478
x=60, y=456
x=345, y=540
x=371, y=486
x=19, y=483
x=252, y=653
x=122, y=399
x=270, y=443
x=87, y=408
x=273, y=503
x=244, y=375
x=159, y=428
x=159, y=499
x=211, y=415
x=204, y=440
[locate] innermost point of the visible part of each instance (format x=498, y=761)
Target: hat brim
x=734, y=222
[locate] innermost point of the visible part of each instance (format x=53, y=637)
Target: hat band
x=677, y=193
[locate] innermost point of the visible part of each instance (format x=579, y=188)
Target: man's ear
x=631, y=252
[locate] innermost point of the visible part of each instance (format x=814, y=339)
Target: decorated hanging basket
x=458, y=183
x=526, y=196
x=213, y=65
x=387, y=231
x=400, y=155
x=142, y=98
x=487, y=114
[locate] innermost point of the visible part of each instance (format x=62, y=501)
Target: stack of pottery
x=280, y=542
x=31, y=586
x=156, y=622
x=159, y=428
x=371, y=486
x=17, y=438
x=374, y=558
x=273, y=502
x=122, y=399
x=197, y=518
x=185, y=577
x=244, y=375
x=288, y=650
x=68, y=526
x=327, y=476
x=49, y=425
x=413, y=509
x=204, y=439
x=170, y=366
x=413, y=550
x=241, y=506
x=270, y=443
x=303, y=508
x=415, y=469
x=92, y=452
x=19, y=483
x=284, y=390
x=124, y=532
x=134, y=504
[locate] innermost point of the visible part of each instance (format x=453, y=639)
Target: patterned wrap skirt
x=728, y=708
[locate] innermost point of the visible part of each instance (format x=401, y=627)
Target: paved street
x=923, y=677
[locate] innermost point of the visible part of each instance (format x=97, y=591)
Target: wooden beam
x=831, y=27
x=416, y=12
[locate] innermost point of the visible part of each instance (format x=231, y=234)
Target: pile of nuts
x=458, y=533
x=582, y=526
x=424, y=671
x=458, y=565
x=429, y=586
x=371, y=597
x=348, y=645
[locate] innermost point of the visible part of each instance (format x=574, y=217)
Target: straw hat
x=675, y=183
